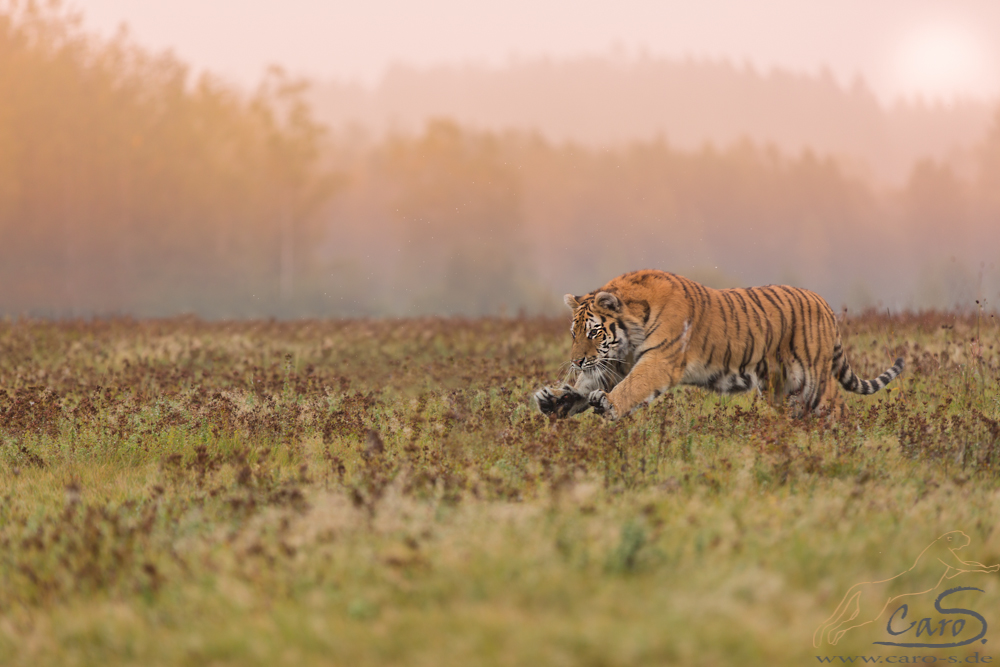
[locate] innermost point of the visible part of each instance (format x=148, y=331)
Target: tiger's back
x=646, y=331
x=750, y=337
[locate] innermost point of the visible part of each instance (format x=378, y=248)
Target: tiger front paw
x=560, y=402
x=602, y=404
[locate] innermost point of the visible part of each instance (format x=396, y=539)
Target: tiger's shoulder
x=650, y=290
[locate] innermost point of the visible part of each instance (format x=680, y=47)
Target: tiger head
x=600, y=341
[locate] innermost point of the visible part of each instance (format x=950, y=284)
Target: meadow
x=381, y=492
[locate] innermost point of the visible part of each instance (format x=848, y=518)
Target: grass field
x=384, y=492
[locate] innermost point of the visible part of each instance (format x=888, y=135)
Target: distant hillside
x=603, y=101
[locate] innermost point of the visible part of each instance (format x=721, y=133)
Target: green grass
x=177, y=492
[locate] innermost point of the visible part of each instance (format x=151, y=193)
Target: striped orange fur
x=647, y=331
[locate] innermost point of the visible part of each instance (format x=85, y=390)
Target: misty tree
x=127, y=184
x=293, y=153
x=459, y=217
x=988, y=183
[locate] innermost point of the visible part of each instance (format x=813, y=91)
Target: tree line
x=128, y=185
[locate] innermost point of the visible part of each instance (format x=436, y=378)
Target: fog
x=134, y=182
x=900, y=47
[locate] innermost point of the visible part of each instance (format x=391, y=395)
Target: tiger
x=647, y=331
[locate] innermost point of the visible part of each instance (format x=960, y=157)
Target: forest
x=130, y=185
x=617, y=98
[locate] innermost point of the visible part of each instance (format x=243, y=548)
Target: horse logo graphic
x=867, y=601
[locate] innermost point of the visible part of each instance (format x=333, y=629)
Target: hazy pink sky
x=899, y=46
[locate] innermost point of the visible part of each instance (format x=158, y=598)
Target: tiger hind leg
x=816, y=395
x=831, y=402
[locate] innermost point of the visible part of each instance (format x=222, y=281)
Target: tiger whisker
x=608, y=376
x=608, y=368
x=608, y=363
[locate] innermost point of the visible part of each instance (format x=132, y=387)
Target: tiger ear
x=608, y=301
x=571, y=301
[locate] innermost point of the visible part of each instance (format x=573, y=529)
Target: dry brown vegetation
x=372, y=492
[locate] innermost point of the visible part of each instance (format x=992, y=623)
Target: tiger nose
x=579, y=362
